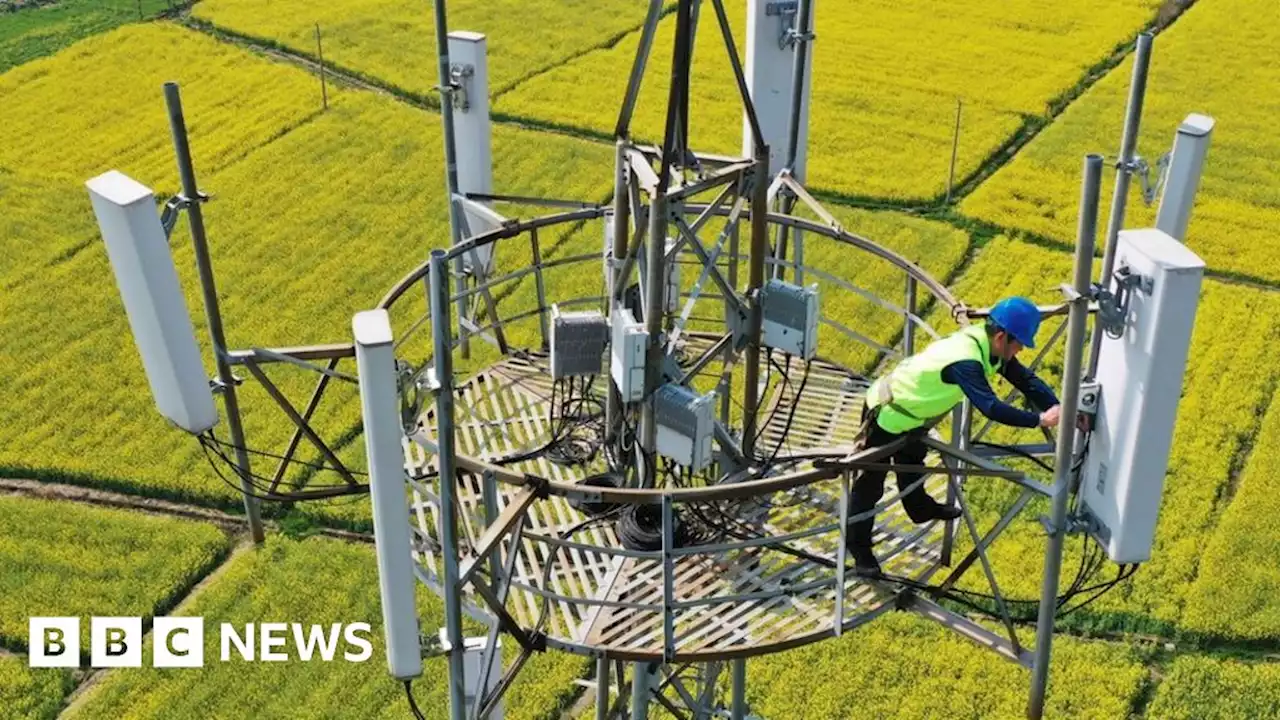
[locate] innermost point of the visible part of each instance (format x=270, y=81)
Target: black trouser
x=869, y=487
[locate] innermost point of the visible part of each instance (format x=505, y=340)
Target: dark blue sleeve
x=969, y=376
x=1040, y=394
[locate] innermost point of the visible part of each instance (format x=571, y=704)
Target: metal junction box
x=1140, y=373
x=626, y=364
x=578, y=341
x=790, y=318
x=686, y=422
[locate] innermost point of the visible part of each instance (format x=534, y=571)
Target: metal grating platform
x=591, y=595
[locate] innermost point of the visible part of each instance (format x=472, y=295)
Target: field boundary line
x=1033, y=125
x=360, y=81
x=607, y=44
x=143, y=504
x=85, y=688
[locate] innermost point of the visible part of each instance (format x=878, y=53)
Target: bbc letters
x=179, y=642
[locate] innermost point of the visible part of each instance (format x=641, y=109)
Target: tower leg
x=739, y=710
x=1079, y=312
x=641, y=677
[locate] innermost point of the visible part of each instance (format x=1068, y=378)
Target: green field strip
x=315, y=581
x=1191, y=71
x=70, y=559
x=45, y=28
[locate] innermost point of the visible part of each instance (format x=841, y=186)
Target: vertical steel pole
x=961, y=428
x=324, y=89
x=447, y=464
x=909, y=325
x=621, y=229
x=726, y=391
x=602, y=688
x=797, y=81
x=640, y=677
x=739, y=669
x=204, y=265
x=1079, y=312
x=654, y=290
x=451, y=163
x=1124, y=173
x=755, y=280
x=799, y=63
x=955, y=151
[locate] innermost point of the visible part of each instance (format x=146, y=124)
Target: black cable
x=1016, y=451
x=771, y=364
x=791, y=415
x=262, y=453
x=413, y=704
x=258, y=483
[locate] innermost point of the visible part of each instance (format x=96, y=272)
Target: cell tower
x=662, y=481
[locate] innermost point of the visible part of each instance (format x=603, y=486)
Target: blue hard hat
x=1019, y=317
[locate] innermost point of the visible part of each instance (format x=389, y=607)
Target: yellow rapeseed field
x=304, y=232
x=1194, y=68
x=1203, y=687
x=902, y=667
x=393, y=42
x=886, y=80
x=99, y=105
x=315, y=581
x=1235, y=592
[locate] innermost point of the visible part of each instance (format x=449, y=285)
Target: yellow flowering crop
x=99, y=105
x=1193, y=69
x=1235, y=592
x=140, y=564
x=394, y=41
x=304, y=231
x=28, y=693
x=886, y=79
x=901, y=666
x=1199, y=687
x=315, y=581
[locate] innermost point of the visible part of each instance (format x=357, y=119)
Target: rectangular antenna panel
x=383, y=444
x=1140, y=374
x=578, y=341
x=626, y=365
x=469, y=69
x=790, y=318
x=686, y=422
x=153, y=300
x=769, y=60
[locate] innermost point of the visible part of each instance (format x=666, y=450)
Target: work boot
x=945, y=512
x=864, y=560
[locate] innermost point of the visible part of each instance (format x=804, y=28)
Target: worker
x=923, y=389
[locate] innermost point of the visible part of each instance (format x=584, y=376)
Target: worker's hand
x=1049, y=418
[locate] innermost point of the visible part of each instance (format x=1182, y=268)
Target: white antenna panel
x=153, y=299
x=383, y=442
x=1141, y=371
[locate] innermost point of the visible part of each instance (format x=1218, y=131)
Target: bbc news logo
x=116, y=642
